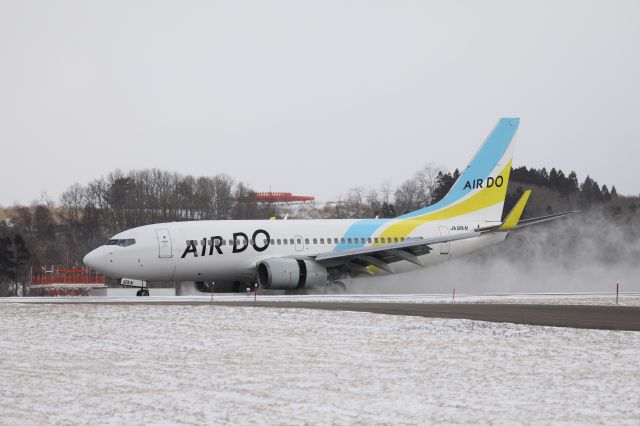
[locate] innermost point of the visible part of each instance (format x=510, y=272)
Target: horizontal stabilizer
x=541, y=219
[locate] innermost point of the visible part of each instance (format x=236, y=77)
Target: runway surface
x=588, y=316
x=577, y=316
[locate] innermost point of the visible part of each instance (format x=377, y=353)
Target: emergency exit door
x=164, y=243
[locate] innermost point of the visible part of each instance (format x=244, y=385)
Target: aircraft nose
x=96, y=259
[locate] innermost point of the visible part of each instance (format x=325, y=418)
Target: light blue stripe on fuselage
x=363, y=228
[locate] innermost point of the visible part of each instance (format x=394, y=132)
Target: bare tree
x=418, y=191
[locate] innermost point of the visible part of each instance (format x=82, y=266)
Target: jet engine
x=290, y=274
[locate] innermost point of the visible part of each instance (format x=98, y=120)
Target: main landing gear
x=337, y=287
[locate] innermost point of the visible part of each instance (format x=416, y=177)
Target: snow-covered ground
x=168, y=364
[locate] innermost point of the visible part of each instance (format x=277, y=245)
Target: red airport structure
x=61, y=281
x=282, y=197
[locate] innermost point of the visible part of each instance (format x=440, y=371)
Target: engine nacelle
x=290, y=274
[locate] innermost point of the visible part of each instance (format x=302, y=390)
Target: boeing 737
x=296, y=255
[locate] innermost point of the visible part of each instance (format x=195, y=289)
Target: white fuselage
x=280, y=250
x=183, y=251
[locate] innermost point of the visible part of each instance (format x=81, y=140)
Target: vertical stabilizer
x=481, y=188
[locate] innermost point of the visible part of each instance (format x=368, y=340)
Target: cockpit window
x=122, y=243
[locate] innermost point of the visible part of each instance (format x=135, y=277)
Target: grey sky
x=312, y=97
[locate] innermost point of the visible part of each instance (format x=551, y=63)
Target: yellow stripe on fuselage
x=482, y=199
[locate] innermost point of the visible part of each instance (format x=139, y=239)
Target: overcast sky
x=312, y=97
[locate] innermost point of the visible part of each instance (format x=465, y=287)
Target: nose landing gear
x=142, y=292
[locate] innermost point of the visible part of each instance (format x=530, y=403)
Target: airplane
x=303, y=255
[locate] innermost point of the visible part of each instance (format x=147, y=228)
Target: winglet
x=516, y=212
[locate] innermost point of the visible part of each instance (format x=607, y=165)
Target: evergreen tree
x=554, y=180
x=13, y=254
x=586, y=192
x=444, y=182
x=572, y=184
x=7, y=259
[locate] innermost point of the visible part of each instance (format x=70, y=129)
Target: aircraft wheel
x=145, y=292
x=339, y=287
x=139, y=293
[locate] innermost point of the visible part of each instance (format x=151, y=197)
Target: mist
x=587, y=252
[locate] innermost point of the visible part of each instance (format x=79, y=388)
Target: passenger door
x=164, y=243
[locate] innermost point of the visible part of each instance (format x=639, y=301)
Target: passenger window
x=395, y=239
x=284, y=241
x=291, y=241
x=375, y=240
x=306, y=241
x=349, y=240
x=272, y=241
x=362, y=240
x=341, y=240
x=230, y=242
x=335, y=241
x=278, y=241
x=315, y=241
x=402, y=239
x=223, y=242
x=321, y=240
x=369, y=240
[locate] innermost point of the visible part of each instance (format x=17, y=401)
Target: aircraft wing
x=358, y=260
